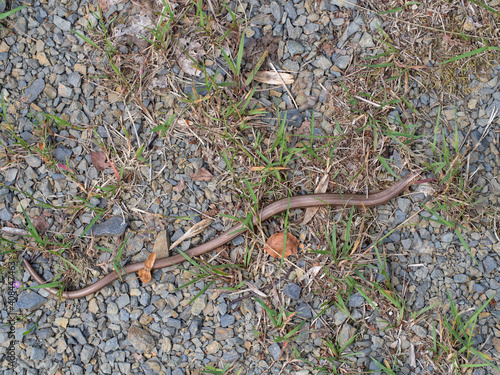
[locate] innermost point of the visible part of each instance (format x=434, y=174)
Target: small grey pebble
x=5, y=214
x=34, y=90
x=292, y=290
x=63, y=154
x=356, y=300
x=275, y=351
x=461, y=278
x=304, y=310
x=489, y=264
x=447, y=237
x=420, y=331
x=112, y=308
x=30, y=300
x=227, y=320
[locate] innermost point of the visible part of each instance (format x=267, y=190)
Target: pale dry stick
x=133, y=126
x=494, y=113
x=369, y=102
x=284, y=85
x=15, y=231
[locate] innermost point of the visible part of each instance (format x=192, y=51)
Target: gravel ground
x=131, y=328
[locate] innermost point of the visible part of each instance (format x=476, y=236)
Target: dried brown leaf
x=201, y=175
x=180, y=186
x=274, y=245
x=144, y=275
x=304, y=129
x=41, y=224
x=98, y=159
x=327, y=48
x=149, y=263
x=193, y=231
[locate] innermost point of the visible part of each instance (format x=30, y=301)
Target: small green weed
x=455, y=343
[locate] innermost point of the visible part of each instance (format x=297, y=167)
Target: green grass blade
x=386, y=166
x=471, y=53
x=86, y=39
x=10, y=12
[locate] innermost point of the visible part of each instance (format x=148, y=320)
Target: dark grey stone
x=230, y=356
x=356, y=300
x=420, y=331
x=277, y=11
x=111, y=345
x=61, y=23
x=145, y=298
x=238, y=240
x=479, y=288
x=195, y=326
x=461, y=278
x=176, y=323
x=123, y=301
x=304, y=311
x=227, y=320
x=77, y=335
x=5, y=214
x=292, y=290
x=34, y=90
x=295, y=48
x=20, y=24
x=30, y=300
x=87, y=353
x=77, y=370
x=489, y=264
x=37, y=354
x=293, y=117
x=75, y=79
x=447, y=237
x=114, y=226
x=342, y=62
x=290, y=10
x=62, y=154
x=311, y=28
x=275, y=351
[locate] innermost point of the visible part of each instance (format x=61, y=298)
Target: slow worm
x=301, y=201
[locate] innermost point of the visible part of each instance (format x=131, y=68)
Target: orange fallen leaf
x=201, y=175
x=145, y=273
x=274, y=245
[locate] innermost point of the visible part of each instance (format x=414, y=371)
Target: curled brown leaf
x=98, y=159
x=145, y=273
x=274, y=245
x=201, y=175
x=41, y=224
